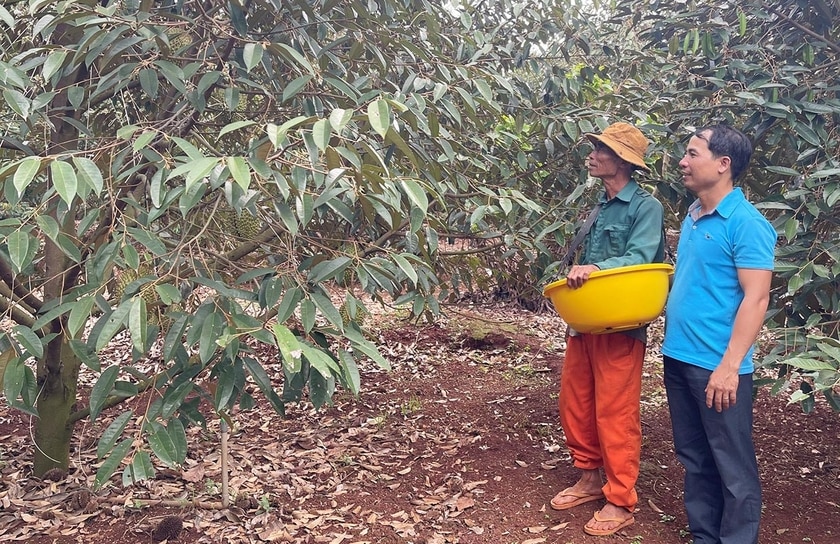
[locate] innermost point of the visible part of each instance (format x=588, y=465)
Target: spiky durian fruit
x=121, y=282
x=352, y=312
x=226, y=219
x=344, y=313
x=247, y=226
x=124, y=277
x=178, y=39
x=168, y=529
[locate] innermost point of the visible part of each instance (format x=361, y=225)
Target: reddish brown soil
x=458, y=444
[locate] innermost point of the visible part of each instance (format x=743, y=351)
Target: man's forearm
x=750, y=316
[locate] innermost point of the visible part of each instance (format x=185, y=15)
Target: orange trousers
x=600, y=391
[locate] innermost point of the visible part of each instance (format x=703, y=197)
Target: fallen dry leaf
x=194, y=474
x=464, y=502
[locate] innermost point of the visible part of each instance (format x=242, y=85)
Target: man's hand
x=722, y=389
x=579, y=274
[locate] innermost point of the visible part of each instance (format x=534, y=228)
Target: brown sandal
x=580, y=498
x=622, y=523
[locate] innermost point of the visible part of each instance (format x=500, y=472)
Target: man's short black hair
x=725, y=141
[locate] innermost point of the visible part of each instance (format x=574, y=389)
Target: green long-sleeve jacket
x=628, y=230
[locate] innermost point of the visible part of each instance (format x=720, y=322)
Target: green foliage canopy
x=200, y=175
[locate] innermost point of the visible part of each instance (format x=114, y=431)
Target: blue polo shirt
x=705, y=295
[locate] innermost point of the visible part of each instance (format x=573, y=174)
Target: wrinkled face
x=700, y=169
x=603, y=162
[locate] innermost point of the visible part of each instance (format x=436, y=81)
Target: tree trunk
x=57, y=384
x=58, y=370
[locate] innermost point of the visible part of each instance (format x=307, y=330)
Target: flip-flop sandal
x=580, y=498
x=622, y=523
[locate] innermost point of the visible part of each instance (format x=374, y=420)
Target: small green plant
x=521, y=422
x=264, y=503
x=666, y=518
x=637, y=539
x=211, y=487
x=379, y=420
x=545, y=430
x=523, y=371
x=414, y=404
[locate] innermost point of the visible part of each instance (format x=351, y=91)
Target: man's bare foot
x=608, y=520
x=587, y=489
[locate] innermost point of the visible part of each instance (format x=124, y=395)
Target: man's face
x=700, y=169
x=603, y=162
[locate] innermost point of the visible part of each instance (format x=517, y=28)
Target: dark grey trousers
x=722, y=488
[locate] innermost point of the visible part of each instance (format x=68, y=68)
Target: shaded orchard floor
x=459, y=443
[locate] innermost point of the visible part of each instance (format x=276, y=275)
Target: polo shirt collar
x=726, y=206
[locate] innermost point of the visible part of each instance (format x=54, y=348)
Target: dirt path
x=458, y=444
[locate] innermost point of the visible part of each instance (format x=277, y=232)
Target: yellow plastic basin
x=613, y=300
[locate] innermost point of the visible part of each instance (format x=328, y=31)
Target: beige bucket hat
x=627, y=141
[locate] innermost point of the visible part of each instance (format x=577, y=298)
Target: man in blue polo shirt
x=715, y=310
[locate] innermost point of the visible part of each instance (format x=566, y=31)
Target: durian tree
x=197, y=177
x=769, y=68
x=202, y=178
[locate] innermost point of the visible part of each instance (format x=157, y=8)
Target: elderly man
x=601, y=379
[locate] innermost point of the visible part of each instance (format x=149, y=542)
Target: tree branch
x=802, y=28
x=474, y=251
x=21, y=293
x=9, y=143
x=18, y=314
